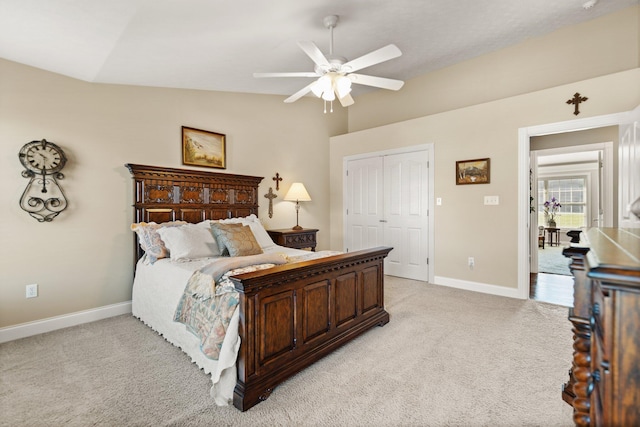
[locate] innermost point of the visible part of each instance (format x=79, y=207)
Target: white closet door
x=406, y=195
x=387, y=205
x=364, y=204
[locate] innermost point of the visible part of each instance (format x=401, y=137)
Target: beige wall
x=589, y=136
x=83, y=259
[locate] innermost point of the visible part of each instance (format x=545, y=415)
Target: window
x=571, y=192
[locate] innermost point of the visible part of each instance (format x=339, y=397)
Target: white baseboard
x=28, y=329
x=53, y=323
x=478, y=287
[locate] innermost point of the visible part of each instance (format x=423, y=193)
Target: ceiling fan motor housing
x=330, y=21
x=335, y=65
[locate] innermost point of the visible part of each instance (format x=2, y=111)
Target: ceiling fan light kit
x=335, y=74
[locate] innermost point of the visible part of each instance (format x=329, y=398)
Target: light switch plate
x=491, y=200
x=32, y=290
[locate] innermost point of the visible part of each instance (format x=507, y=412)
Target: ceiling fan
x=335, y=74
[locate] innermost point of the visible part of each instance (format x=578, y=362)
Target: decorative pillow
x=150, y=241
x=238, y=239
x=216, y=228
x=261, y=235
x=191, y=241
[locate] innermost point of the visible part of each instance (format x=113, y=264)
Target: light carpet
x=447, y=358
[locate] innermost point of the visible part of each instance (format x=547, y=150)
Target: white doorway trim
x=429, y=148
x=524, y=135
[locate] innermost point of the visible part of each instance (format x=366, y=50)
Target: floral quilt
x=210, y=299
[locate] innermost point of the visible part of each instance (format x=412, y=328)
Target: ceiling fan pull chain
x=331, y=106
x=325, y=106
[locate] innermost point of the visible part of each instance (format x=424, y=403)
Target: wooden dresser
x=604, y=380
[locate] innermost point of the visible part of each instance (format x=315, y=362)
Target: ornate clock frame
x=43, y=197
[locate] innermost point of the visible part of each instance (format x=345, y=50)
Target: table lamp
x=297, y=193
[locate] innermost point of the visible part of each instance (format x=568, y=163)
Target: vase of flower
x=551, y=210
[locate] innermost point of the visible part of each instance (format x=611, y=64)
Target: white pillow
x=261, y=235
x=189, y=242
x=239, y=220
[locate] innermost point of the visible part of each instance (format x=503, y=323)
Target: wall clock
x=43, y=161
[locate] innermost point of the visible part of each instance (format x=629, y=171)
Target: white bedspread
x=157, y=290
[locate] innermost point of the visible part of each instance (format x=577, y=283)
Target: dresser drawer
x=602, y=330
x=600, y=319
x=298, y=239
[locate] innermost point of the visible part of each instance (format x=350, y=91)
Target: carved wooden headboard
x=165, y=194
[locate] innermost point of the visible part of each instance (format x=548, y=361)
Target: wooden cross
x=271, y=195
x=576, y=100
x=277, y=179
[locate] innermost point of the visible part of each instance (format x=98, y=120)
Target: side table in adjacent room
x=551, y=232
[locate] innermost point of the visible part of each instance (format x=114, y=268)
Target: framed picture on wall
x=203, y=148
x=477, y=171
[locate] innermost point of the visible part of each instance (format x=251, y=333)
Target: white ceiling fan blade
x=294, y=74
x=381, y=82
x=346, y=100
x=314, y=53
x=299, y=94
x=372, y=58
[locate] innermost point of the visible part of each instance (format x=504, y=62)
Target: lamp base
x=296, y=227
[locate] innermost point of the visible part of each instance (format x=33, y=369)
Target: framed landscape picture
x=475, y=171
x=203, y=148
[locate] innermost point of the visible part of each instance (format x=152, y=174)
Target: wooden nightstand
x=298, y=239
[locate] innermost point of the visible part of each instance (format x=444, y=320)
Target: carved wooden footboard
x=292, y=315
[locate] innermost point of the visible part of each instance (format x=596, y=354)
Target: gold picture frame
x=203, y=148
x=476, y=171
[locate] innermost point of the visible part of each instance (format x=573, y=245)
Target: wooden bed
x=289, y=316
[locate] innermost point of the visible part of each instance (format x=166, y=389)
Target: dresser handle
x=595, y=310
x=595, y=377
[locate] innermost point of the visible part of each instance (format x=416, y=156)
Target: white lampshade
x=322, y=85
x=343, y=86
x=316, y=88
x=297, y=193
x=328, y=95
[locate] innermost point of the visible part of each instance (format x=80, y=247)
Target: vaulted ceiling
x=218, y=45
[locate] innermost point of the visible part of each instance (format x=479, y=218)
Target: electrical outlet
x=32, y=290
x=472, y=262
